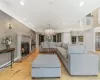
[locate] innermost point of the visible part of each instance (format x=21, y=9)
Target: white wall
x=89, y=40
x=17, y=28
x=66, y=37
x=88, y=36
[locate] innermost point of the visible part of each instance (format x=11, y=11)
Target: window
x=54, y=38
x=41, y=38
x=59, y=37
x=80, y=38
x=73, y=38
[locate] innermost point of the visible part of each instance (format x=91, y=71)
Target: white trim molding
x=8, y=63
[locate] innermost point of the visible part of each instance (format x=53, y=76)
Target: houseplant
x=7, y=41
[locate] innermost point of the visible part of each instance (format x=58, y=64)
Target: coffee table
x=46, y=65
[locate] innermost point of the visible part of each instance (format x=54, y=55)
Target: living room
x=49, y=40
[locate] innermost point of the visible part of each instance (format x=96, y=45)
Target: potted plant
x=7, y=41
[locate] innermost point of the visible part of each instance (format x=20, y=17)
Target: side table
x=12, y=53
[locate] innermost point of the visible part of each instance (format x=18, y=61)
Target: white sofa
x=83, y=64
x=79, y=63
x=76, y=60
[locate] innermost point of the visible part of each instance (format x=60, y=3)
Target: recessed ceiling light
x=81, y=3
x=63, y=23
x=24, y=18
x=22, y=3
x=29, y=23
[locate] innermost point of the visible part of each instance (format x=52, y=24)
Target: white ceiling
x=61, y=14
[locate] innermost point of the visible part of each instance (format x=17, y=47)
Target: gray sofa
x=76, y=61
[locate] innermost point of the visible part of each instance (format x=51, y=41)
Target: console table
x=12, y=53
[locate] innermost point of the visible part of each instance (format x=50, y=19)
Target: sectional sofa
x=74, y=58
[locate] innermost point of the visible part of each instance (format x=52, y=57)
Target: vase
x=7, y=46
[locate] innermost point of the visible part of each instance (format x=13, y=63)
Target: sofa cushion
x=64, y=55
x=45, y=45
x=46, y=60
x=52, y=45
x=61, y=50
x=64, y=45
x=76, y=49
x=58, y=44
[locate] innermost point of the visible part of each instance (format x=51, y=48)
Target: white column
x=66, y=37
x=19, y=46
x=30, y=39
x=37, y=40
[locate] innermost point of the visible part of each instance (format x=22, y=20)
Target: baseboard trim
x=7, y=63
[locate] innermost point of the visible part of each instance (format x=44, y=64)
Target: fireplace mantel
x=19, y=40
x=21, y=34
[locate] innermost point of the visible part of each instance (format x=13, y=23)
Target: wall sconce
x=10, y=26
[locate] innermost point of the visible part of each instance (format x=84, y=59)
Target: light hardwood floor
x=22, y=71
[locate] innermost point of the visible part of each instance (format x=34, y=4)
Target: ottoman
x=46, y=65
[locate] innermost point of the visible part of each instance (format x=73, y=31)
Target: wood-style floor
x=22, y=71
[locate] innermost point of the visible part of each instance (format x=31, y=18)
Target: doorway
x=97, y=45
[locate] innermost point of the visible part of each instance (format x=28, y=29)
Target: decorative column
x=30, y=46
x=19, y=46
x=37, y=40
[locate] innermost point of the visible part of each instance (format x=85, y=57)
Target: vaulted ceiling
x=37, y=14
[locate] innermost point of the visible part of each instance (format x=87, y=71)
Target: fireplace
x=24, y=48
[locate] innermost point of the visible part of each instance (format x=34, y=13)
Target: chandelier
x=49, y=31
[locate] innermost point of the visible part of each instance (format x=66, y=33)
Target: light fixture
x=69, y=30
x=30, y=23
x=49, y=31
x=10, y=26
x=22, y=2
x=24, y=18
x=81, y=3
x=63, y=23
